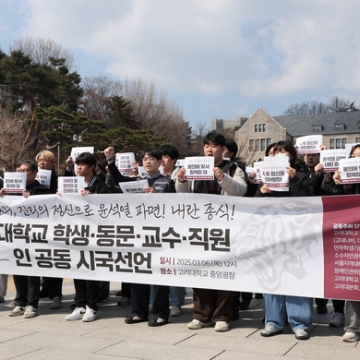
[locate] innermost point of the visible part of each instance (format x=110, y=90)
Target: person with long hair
x=298, y=310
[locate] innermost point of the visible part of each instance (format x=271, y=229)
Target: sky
x=213, y=58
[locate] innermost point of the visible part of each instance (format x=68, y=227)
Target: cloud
x=249, y=49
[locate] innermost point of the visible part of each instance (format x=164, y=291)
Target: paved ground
x=49, y=336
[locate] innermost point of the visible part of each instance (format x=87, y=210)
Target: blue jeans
x=298, y=310
x=177, y=295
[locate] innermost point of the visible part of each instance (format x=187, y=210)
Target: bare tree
x=307, y=108
x=97, y=91
x=40, y=50
x=14, y=130
x=199, y=131
x=152, y=110
x=335, y=104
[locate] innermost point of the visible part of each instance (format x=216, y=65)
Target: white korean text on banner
x=306, y=246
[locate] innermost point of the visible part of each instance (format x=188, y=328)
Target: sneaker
x=134, y=319
x=77, y=314
x=175, y=311
x=13, y=303
x=103, y=298
x=301, y=334
x=56, y=304
x=90, y=315
x=2, y=299
x=350, y=336
x=16, y=311
x=157, y=321
x=197, y=324
x=124, y=301
x=270, y=331
x=337, y=320
x=30, y=312
x=118, y=293
x=222, y=326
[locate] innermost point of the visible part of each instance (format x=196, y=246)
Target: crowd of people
x=156, y=303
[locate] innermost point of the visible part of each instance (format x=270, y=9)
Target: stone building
x=261, y=129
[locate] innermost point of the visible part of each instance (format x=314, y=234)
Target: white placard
x=257, y=168
x=124, y=162
x=273, y=173
x=14, y=182
x=44, y=177
x=180, y=162
x=348, y=148
x=329, y=159
x=76, y=151
x=142, y=172
x=349, y=170
x=309, y=144
x=199, y=168
x=134, y=187
x=249, y=170
x=68, y=185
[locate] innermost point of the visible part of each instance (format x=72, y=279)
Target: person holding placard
x=229, y=179
x=87, y=291
x=314, y=170
x=230, y=152
x=298, y=310
x=140, y=293
x=50, y=287
x=332, y=186
x=46, y=161
x=27, y=287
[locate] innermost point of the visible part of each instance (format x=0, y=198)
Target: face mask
x=281, y=155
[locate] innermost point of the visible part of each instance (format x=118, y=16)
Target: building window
x=251, y=145
x=257, y=144
x=263, y=144
x=268, y=142
x=357, y=140
x=338, y=143
x=317, y=128
x=260, y=127
x=339, y=126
